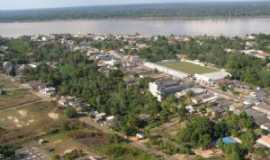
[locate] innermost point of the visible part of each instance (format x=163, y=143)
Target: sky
x=34, y=4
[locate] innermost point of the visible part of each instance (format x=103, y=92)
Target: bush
x=71, y=112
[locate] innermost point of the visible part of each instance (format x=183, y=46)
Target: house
x=132, y=61
x=64, y=100
x=33, y=65
x=110, y=118
x=140, y=135
x=48, y=91
x=111, y=62
x=250, y=100
x=162, y=88
x=217, y=110
x=190, y=109
x=204, y=98
x=100, y=38
x=211, y=78
x=256, y=53
x=236, y=108
x=264, y=140
x=194, y=91
x=266, y=126
x=8, y=67
x=231, y=140
x=100, y=117
x=263, y=108
x=258, y=117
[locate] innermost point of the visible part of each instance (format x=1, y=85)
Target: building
x=264, y=140
x=194, y=91
x=162, y=88
x=100, y=117
x=211, y=78
x=251, y=100
x=259, y=118
x=204, y=98
x=266, y=126
x=231, y=140
x=256, y=53
x=263, y=108
x=8, y=67
x=48, y=91
x=140, y=135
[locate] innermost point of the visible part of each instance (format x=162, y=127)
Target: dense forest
x=184, y=10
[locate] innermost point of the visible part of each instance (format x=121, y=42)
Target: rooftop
x=265, y=139
x=216, y=75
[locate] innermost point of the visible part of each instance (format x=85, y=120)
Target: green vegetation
x=7, y=151
x=71, y=112
x=221, y=9
x=160, y=49
x=77, y=76
x=201, y=132
x=187, y=67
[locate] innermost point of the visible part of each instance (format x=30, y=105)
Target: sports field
x=187, y=67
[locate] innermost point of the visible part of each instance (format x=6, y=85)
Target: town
x=91, y=97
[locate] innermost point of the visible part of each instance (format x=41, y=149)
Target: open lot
x=187, y=67
x=16, y=98
x=28, y=122
x=40, y=113
x=6, y=82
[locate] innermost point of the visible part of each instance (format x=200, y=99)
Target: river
x=147, y=27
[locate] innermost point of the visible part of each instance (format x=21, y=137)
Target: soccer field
x=187, y=67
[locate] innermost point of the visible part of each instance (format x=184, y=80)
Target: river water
x=147, y=27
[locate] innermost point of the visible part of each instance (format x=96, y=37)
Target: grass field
x=16, y=97
x=187, y=67
x=38, y=115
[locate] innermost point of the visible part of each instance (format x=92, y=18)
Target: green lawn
x=188, y=67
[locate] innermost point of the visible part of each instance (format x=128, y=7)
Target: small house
x=100, y=117
x=231, y=140
x=264, y=141
x=48, y=91
x=140, y=135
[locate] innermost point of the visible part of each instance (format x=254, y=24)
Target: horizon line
x=132, y=4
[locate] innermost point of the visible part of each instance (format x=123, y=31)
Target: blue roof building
x=229, y=140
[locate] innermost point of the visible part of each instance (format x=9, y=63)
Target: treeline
x=214, y=9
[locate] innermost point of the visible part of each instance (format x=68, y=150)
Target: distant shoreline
x=138, y=18
x=164, y=11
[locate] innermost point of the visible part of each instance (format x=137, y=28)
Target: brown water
x=147, y=27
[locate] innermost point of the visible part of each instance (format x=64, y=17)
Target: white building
x=211, y=78
x=48, y=91
x=163, y=88
x=112, y=62
x=163, y=69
